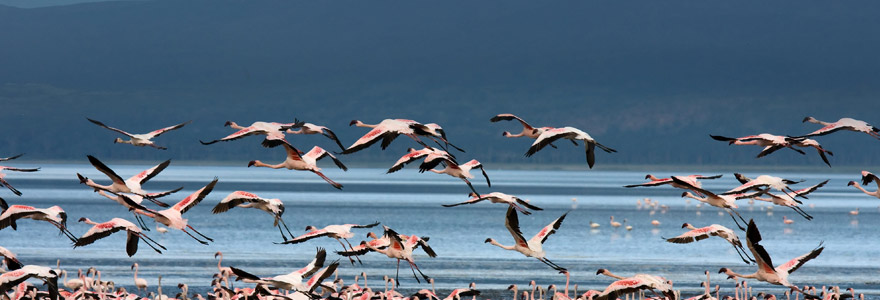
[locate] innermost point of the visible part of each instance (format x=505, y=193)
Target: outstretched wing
x=148, y=174
x=194, y=198
x=160, y=131
x=508, y=117
x=106, y=170
x=698, y=234
x=111, y=128
x=512, y=224
x=308, y=236
x=762, y=258
x=11, y=157
x=373, y=136
x=547, y=137
x=234, y=199
x=319, y=153
x=97, y=232
x=408, y=158
x=549, y=229
x=792, y=265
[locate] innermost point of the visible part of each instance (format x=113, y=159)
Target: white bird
x=412, y=155
x=790, y=201
x=292, y=281
x=770, y=142
x=867, y=177
x=143, y=139
x=453, y=169
x=573, y=134
x=54, y=215
x=532, y=247
x=140, y=283
x=613, y=223
x=243, y=199
x=763, y=182
x=10, y=259
x=726, y=202
x=692, y=180
x=698, y=234
x=386, y=131
x=172, y=217
x=3, y=181
x=102, y=230
x=273, y=131
x=527, y=131
x=805, y=142
x=309, y=128
x=766, y=272
x=132, y=185
x=337, y=232
x=303, y=162
x=497, y=197
x=843, y=124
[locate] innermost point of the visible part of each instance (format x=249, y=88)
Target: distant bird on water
x=143, y=139
x=570, y=133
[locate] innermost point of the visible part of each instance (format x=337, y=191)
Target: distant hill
x=650, y=79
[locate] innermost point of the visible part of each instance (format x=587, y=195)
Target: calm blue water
x=410, y=203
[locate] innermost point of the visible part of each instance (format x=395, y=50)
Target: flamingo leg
x=350, y=247
x=343, y=249
x=734, y=219
x=551, y=264
x=285, y=227
x=197, y=239
x=141, y=222
x=397, y=275
x=151, y=240
x=199, y=233
x=411, y=265
x=470, y=185
x=148, y=244
x=742, y=252
x=802, y=212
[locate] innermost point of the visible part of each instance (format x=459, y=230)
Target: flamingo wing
x=549, y=229
x=833, y=127
x=329, y=134
x=512, y=224
x=111, y=128
x=319, y=153
x=508, y=117
x=20, y=169
x=657, y=182
x=469, y=201
x=692, y=236
x=369, y=139
x=308, y=236
x=160, y=131
x=148, y=174
x=247, y=131
x=97, y=232
x=365, y=226
x=692, y=187
x=792, y=265
x=234, y=199
x=867, y=177
x=549, y=136
x=106, y=170
x=708, y=177
x=194, y=198
x=408, y=158
x=313, y=266
x=11, y=157
x=423, y=242
x=762, y=258
x=805, y=191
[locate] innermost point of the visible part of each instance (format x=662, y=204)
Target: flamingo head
x=310, y=228
x=228, y=123
x=685, y=225
x=505, y=134
x=808, y=119
x=472, y=194
x=354, y=122
x=488, y=240
x=372, y=235
x=83, y=219
x=251, y=163
x=851, y=183
x=601, y=271
x=82, y=179
x=684, y=194
x=511, y=287
x=218, y=253
x=135, y=265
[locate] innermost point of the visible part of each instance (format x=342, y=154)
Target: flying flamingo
x=692, y=180
x=726, y=202
x=627, y=285
x=770, y=142
x=131, y=185
x=303, y=162
x=337, y=232
x=698, y=234
x=143, y=139
x=172, y=217
x=790, y=201
x=805, y=142
x=462, y=171
x=244, y=199
x=11, y=157
x=497, y=197
x=527, y=131
x=309, y=128
x=843, y=124
x=124, y=202
x=402, y=250
x=763, y=182
x=387, y=131
x=434, y=131
x=13, y=278
x=384, y=241
x=102, y=230
x=412, y=155
x=10, y=259
x=766, y=272
x=573, y=134
x=531, y=247
x=867, y=177
x=273, y=131
x=290, y=281
x=4, y=182
x=140, y=283
x=54, y=215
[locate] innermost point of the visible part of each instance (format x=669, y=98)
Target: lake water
x=410, y=203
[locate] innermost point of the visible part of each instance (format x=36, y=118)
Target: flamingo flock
x=308, y=282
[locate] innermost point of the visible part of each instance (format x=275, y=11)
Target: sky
x=648, y=78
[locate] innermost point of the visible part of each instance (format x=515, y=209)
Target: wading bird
x=843, y=124
x=496, y=197
x=309, y=128
x=3, y=181
x=766, y=272
x=303, y=162
x=243, y=199
x=531, y=247
x=102, y=230
x=692, y=180
x=54, y=215
x=273, y=131
x=573, y=134
x=770, y=142
x=143, y=139
x=867, y=177
x=173, y=217
x=131, y=185
x=698, y=234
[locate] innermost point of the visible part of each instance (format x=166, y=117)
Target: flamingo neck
x=494, y=242
x=258, y=163
x=612, y=275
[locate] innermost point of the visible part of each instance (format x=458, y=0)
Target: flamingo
x=787, y=221
x=224, y=272
x=303, y=162
x=766, y=272
x=3, y=181
x=497, y=197
x=131, y=185
x=573, y=134
x=140, y=283
x=131, y=197
x=692, y=180
x=336, y=232
x=10, y=259
x=453, y=169
x=273, y=131
x=244, y=199
x=102, y=230
x=531, y=247
x=402, y=250
x=143, y=139
x=290, y=281
x=843, y=124
x=13, y=278
x=805, y=142
x=726, y=202
x=697, y=234
x=172, y=217
x=434, y=131
x=770, y=142
x=867, y=177
x=309, y=128
x=54, y=215
x=384, y=241
x=527, y=131
x=790, y=201
x=627, y=285
x=387, y=131
x=763, y=182
x=613, y=223
x=412, y=155
x=11, y=157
